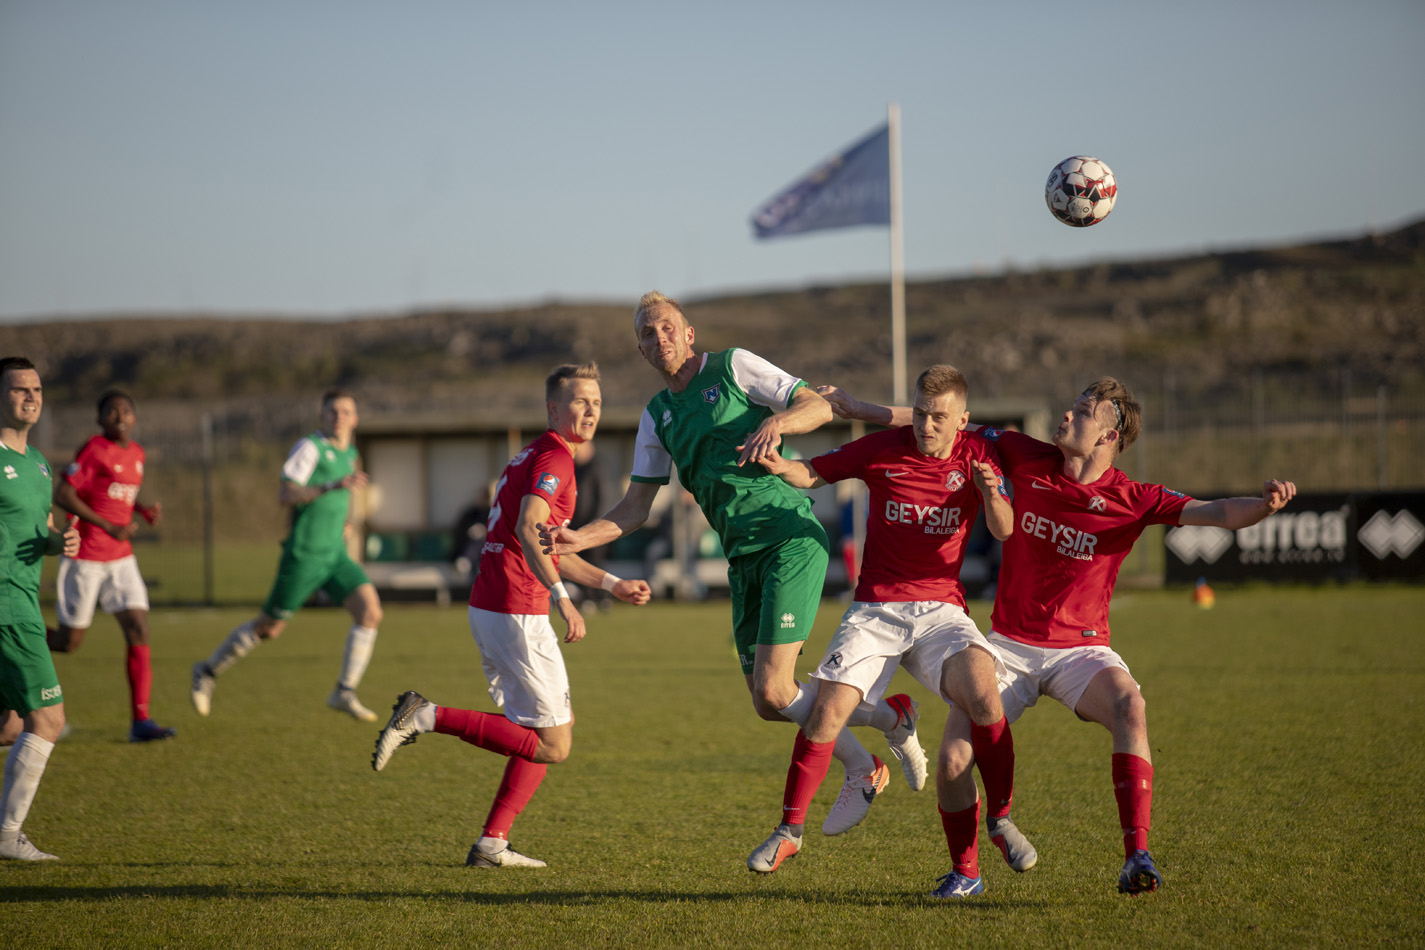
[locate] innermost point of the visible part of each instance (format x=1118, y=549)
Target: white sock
x=853, y=755
x=23, y=768
x=883, y=717
x=491, y=845
x=236, y=646
x=799, y=709
x=424, y=718
x=360, y=641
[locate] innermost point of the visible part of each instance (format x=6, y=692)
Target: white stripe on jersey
x=302, y=462
x=650, y=459
x=765, y=384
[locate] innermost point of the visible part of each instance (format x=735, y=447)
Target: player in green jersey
x=316, y=484
x=718, y=413
x=31, y=701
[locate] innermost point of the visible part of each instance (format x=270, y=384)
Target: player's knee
x=553, y=752
x=1130, y=709
x=266, y=629
x=768, y=703
x=372, y=616
x=955, y=760
x=985, y=707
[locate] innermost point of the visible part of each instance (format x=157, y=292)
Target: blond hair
x=656, y=298
x=1128, y=415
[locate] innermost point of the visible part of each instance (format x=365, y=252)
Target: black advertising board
x=1391, y=538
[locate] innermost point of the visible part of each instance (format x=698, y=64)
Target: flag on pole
x=849, y=189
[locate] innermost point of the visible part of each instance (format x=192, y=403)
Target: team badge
x=119, y=466
x=1175, y=494
x=1097, y=504
x=955, y=480
x=833, y=660
x=548, y=483
x=710, y=395
x=71, y=469
x=44, y=468
x=331, y=456
x=991, y=433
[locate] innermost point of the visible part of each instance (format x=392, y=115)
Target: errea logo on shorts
x=789, y=621
x=51, y=692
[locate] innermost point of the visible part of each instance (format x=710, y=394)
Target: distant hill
x=1298, y=314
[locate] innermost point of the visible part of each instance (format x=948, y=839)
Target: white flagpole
x=898, y=380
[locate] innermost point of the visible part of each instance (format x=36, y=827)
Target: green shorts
x=775, y=593
x=27, y=677
x=300, y=577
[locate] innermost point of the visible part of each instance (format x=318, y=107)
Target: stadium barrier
x=1318, y=538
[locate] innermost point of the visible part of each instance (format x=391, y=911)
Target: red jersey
x=1062, y=560
x=921, y=512
x=505, y=583
x=106, y=477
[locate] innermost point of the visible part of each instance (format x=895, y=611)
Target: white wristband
x=558, y=592
x=609, y=581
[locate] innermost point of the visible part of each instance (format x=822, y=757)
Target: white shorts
x=115, y=585
x=875, y=638
x=1062, y=673
x=522, y=661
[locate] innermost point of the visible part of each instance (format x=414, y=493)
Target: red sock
x=487, y=730
x=810, y=763
x=962, y=829
x=140, y=679
x=994, y=754
x=1133, y=788
x=522, y=778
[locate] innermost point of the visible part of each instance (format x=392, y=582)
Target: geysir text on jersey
x=1068, y=540
x=932, y=518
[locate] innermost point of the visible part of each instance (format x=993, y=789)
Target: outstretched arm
x=1237, y=513
x=808, y=411
x=795, y=472
x=847, y=407
x=634, y=591
x=293, y=494
x=628, y=515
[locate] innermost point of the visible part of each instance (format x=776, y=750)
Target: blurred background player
x=718, y=412
x=317, y=479
x=101, y=488
x=31, y=700
x=509, y=618
x=1077, y=517
x=926, y=482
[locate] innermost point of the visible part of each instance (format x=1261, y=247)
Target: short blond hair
x=656, y=298
x=556, y=379
x=1128, y=415
x=942, y=378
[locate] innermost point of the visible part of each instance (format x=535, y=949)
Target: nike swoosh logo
x=1040, y=485
x=896, y=474
x=870, y=795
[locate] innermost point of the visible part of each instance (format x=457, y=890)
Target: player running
x=1076, y=518
x=31, y=700
x=926, y=483
x=317, y=479
x=509, y=617
x=719, y=412
x=101, y=489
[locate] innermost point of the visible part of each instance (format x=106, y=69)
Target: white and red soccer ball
x=1080, y=191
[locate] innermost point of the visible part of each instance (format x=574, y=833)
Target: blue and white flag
x=848, y=189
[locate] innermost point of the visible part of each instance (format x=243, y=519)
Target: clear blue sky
x=338, y=157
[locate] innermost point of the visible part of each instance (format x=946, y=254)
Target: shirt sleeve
x=849, y=461
x=1160, y=505
x=550, y=474
x=651, y=461
x=80, y=472
x=764, y=383
x=301, y=462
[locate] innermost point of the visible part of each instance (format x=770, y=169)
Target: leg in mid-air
x=236, y=645
x=1114, y=701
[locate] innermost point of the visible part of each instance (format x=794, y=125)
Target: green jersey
x=26, y=490
x=317, y=526
x=699, y=430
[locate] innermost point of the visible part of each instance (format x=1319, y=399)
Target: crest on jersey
x=955, y=480
x=711, y=393
x=991, y=433
x=71, y=469
x=548, y=483
x=331, y=456
x=44, y=468
x=1175, y=494
x=1096, y=503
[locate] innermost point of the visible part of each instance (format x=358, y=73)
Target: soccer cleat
x=146, y=730
x=344, y=700
x=1139, y=874
x=904, y=745
x=400, y=729
x=505, y=857
x=1018, y=853
x=855, y=799
x=956, y=884
x=19, y=848
x=202, y=690
x=769, y=855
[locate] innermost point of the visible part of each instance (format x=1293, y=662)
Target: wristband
x=54, y=544
x=609, y=581
x=558, y=592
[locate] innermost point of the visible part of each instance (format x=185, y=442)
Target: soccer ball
x=1080, y=191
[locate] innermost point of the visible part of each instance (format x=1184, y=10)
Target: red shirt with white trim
x=1069, y=540
x=506, y=584
x=920, y=514
x=107, y=477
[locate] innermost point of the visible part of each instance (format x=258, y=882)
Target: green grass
x=1287, y=735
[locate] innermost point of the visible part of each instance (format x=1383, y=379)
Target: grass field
x=1288, y=731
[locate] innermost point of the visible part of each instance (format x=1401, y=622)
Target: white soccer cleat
x=855, y=799
x=903, y=742
x=344, y=700
x=769, y=855
x=1018, y=853
x=401, y=728
x=490, y=853
x=202, y=692
x=19, y=848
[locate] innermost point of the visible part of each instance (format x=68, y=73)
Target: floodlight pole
x=898, y=379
